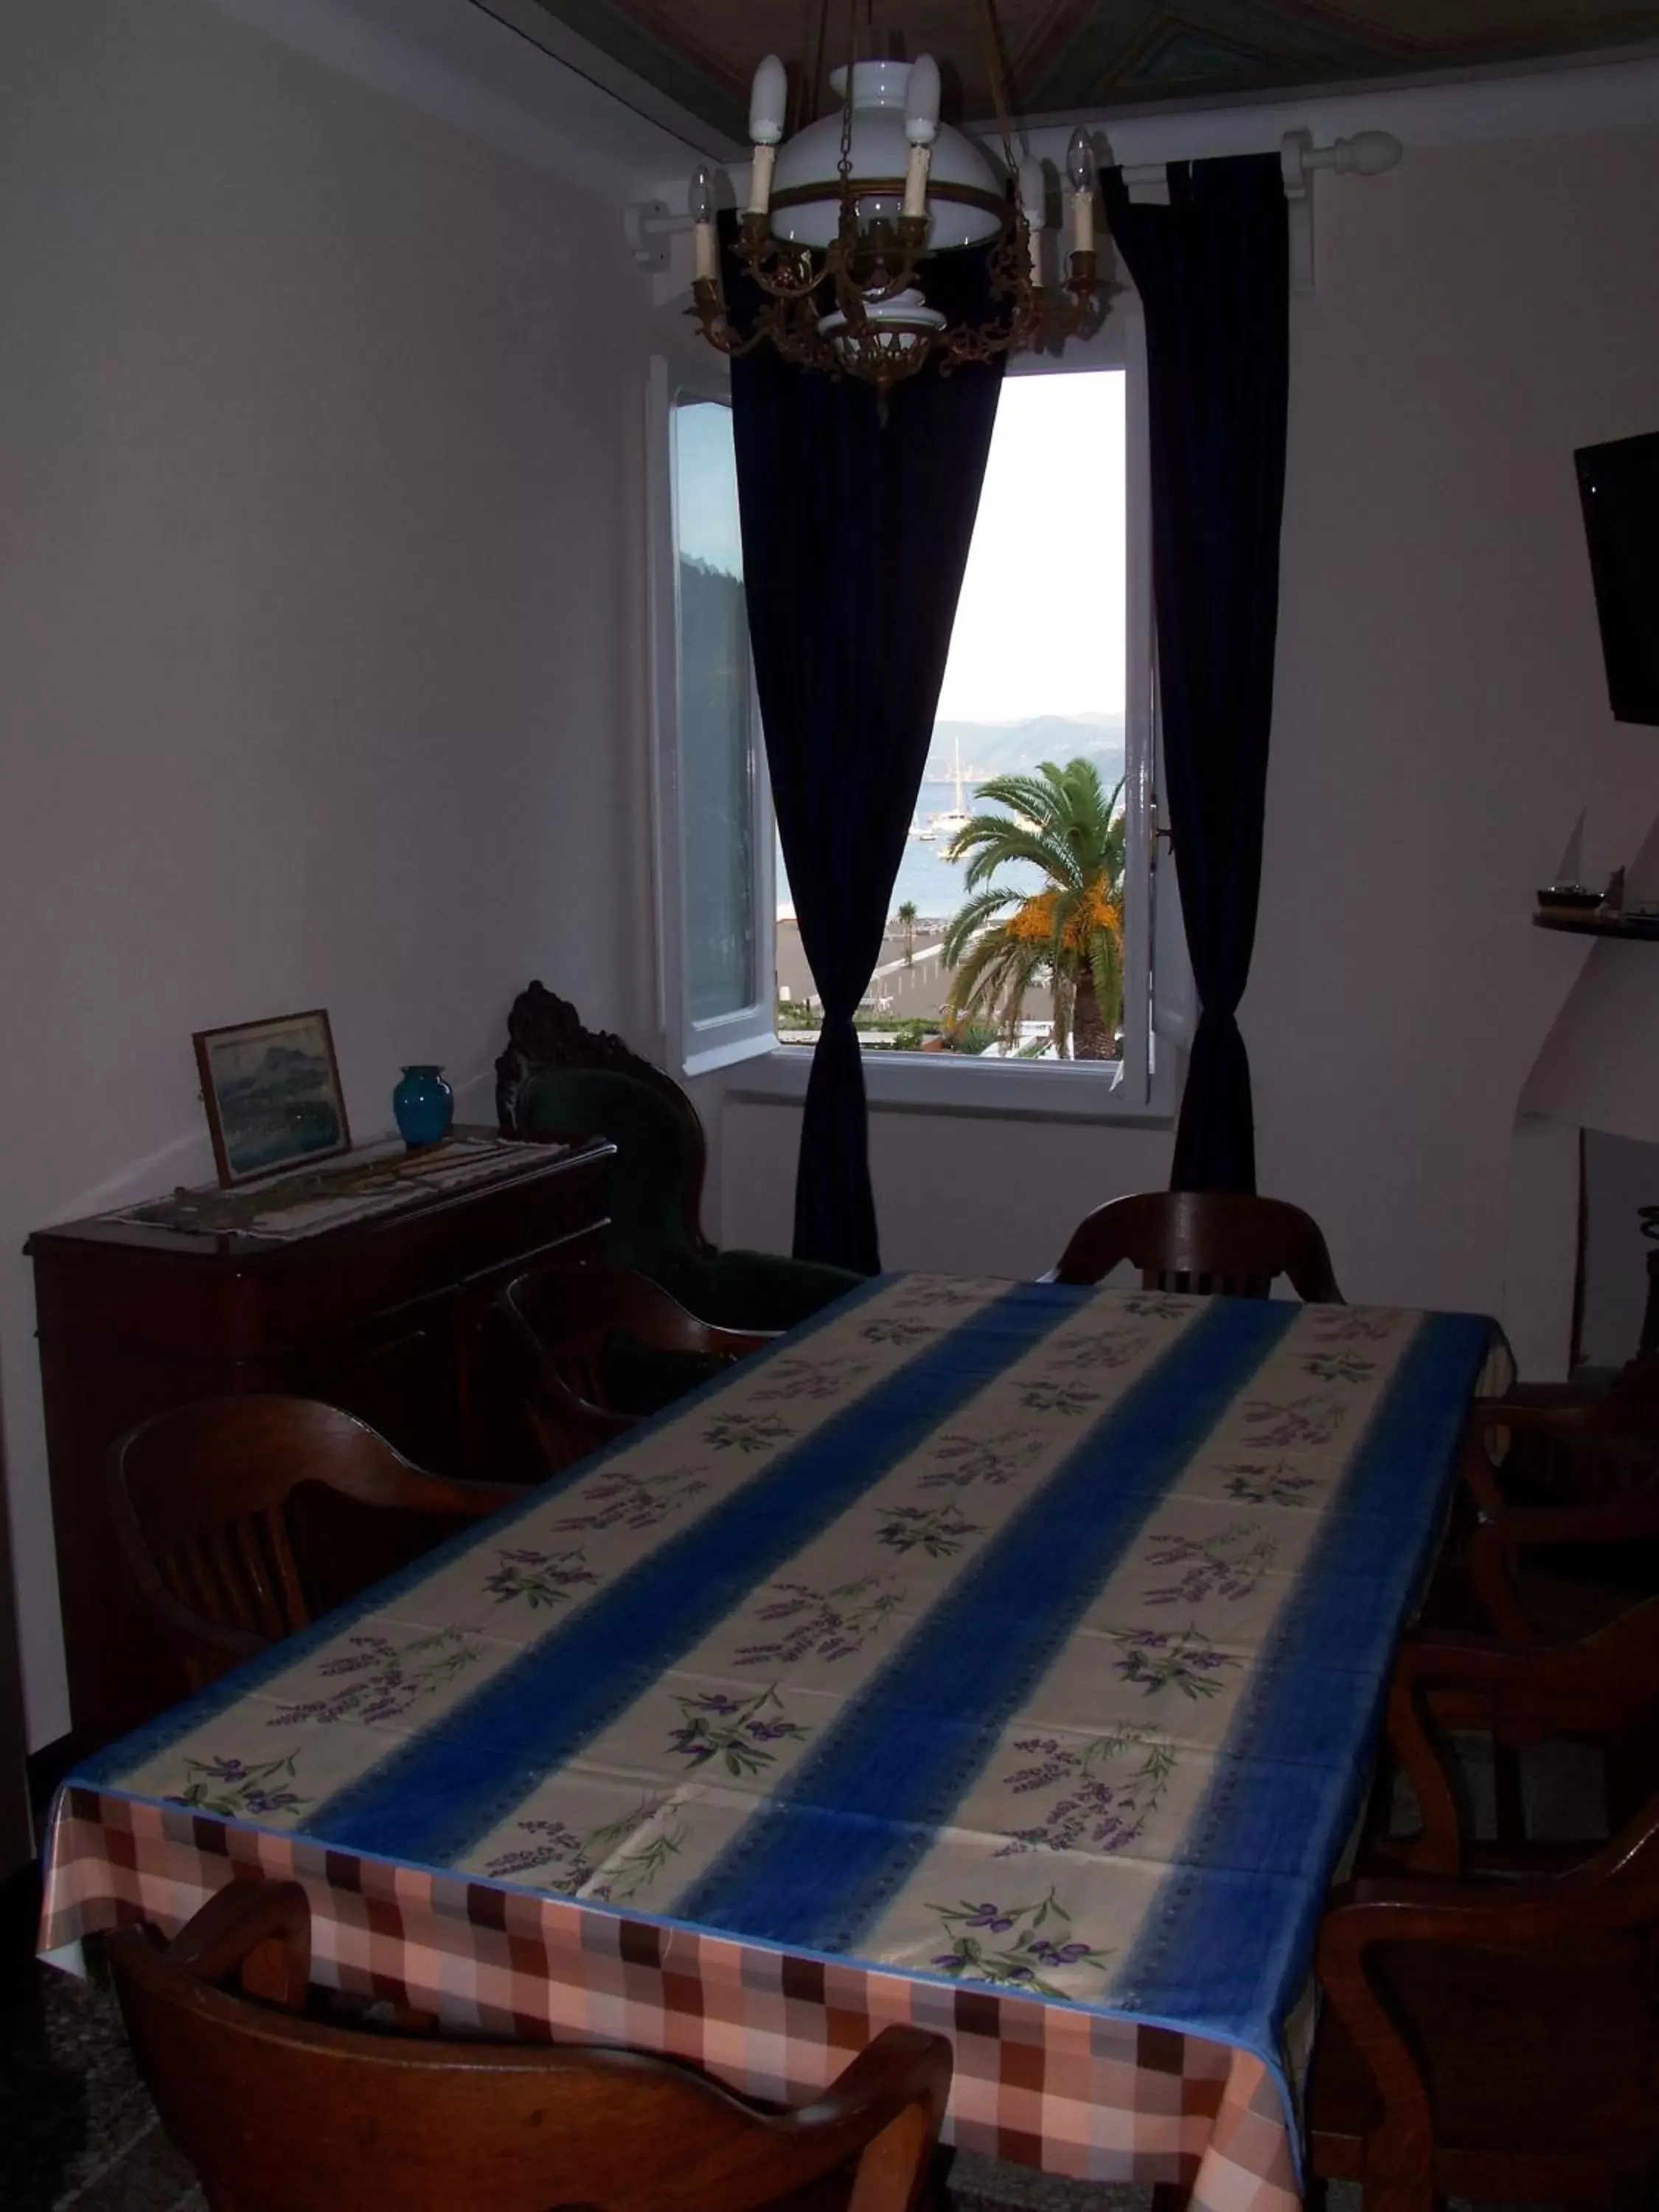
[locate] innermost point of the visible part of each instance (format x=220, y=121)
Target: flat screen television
x=1618, y=486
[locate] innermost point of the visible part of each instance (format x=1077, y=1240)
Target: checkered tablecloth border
x=1080, y=2093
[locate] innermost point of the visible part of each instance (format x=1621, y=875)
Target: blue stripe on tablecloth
x=127, y=1752
x=865, y=1804
x=1298, y=1755
x=449, y=1785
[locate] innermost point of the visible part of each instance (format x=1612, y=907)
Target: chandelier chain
x=999, y=88
x=803, y=101
x=844, y=168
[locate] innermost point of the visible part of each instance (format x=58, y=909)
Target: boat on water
x=946, y=824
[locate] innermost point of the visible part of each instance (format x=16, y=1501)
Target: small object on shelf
x=425, y=1105
x=1568, y=893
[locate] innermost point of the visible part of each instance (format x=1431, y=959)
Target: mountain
x=995, y=748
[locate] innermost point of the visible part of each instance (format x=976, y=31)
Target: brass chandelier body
x=857, y=306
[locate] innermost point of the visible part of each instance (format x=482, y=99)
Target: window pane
x=717, y=735
x=1036, y=674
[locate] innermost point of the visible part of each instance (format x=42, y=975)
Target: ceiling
x=1068, y=56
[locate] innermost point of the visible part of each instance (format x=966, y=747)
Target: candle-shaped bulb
x=922, y=101
x=705, y=246
x=1080, y=168
x=768, y=102
x=920, y=128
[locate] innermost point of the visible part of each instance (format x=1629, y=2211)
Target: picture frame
x=272, y=1093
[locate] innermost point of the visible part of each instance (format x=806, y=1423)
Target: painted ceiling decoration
x=1068, y=56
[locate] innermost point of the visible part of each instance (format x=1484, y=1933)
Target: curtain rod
x=1367, y=154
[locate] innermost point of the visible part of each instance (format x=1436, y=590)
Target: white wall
x=967, y=1193
x=319, y=493
x=1442, y=712
x=1441, y=717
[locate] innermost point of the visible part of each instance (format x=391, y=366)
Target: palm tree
x=1069, y=934
x=907, y=922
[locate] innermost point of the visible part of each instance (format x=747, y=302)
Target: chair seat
x=753, y=1290
x=641, y=1381
x=1543, y=2069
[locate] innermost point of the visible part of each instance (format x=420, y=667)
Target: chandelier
x=842, y=217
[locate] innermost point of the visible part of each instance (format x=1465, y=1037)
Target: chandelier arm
x=783, y=272
x=711, y=318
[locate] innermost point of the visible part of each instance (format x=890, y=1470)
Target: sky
x=1039, y=624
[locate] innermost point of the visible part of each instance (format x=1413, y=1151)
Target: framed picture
x=272, y=1094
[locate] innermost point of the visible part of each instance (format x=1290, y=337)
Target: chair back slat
x=1214, y=1244
x=208, y=1552
x=280, y=2113
x=253, y=1587
x=288, y=1594
x=180, y=1570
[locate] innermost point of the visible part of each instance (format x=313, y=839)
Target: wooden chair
x=1495, y=2039
x=1604, y=1691
x=1564, y=1531
x=1498, y=2041
x=581, y=1330
x=281, y=2113
x=200, y=1501
x=1208, y=1241
x=559, y=1078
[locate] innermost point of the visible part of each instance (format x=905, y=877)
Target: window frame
x=696, y=1047
x=1141, y=1088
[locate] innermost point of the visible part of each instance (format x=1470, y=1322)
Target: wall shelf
x=1638, y=928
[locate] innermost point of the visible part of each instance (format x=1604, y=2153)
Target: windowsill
x=945, y=1084
x=707, y=1058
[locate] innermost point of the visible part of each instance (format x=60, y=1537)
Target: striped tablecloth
x=1003, y=1658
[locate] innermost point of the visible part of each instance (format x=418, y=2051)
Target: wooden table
x=386, y=1315
x=1003, y=1658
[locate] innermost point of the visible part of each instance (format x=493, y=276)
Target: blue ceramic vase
x=425, y=1105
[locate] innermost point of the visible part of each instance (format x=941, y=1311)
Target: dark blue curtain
x=1212, y=270
x=855, y=535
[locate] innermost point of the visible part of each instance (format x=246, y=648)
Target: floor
x=78, y=2134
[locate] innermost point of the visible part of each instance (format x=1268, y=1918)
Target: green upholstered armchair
x=557, y=1079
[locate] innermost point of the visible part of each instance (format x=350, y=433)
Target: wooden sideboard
x=389, y=1317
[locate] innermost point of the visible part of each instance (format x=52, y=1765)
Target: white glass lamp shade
x=905, y=318
x=879, y=151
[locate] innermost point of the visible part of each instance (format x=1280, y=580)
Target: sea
x=934, y=885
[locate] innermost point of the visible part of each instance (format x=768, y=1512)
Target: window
x=1050, y=662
